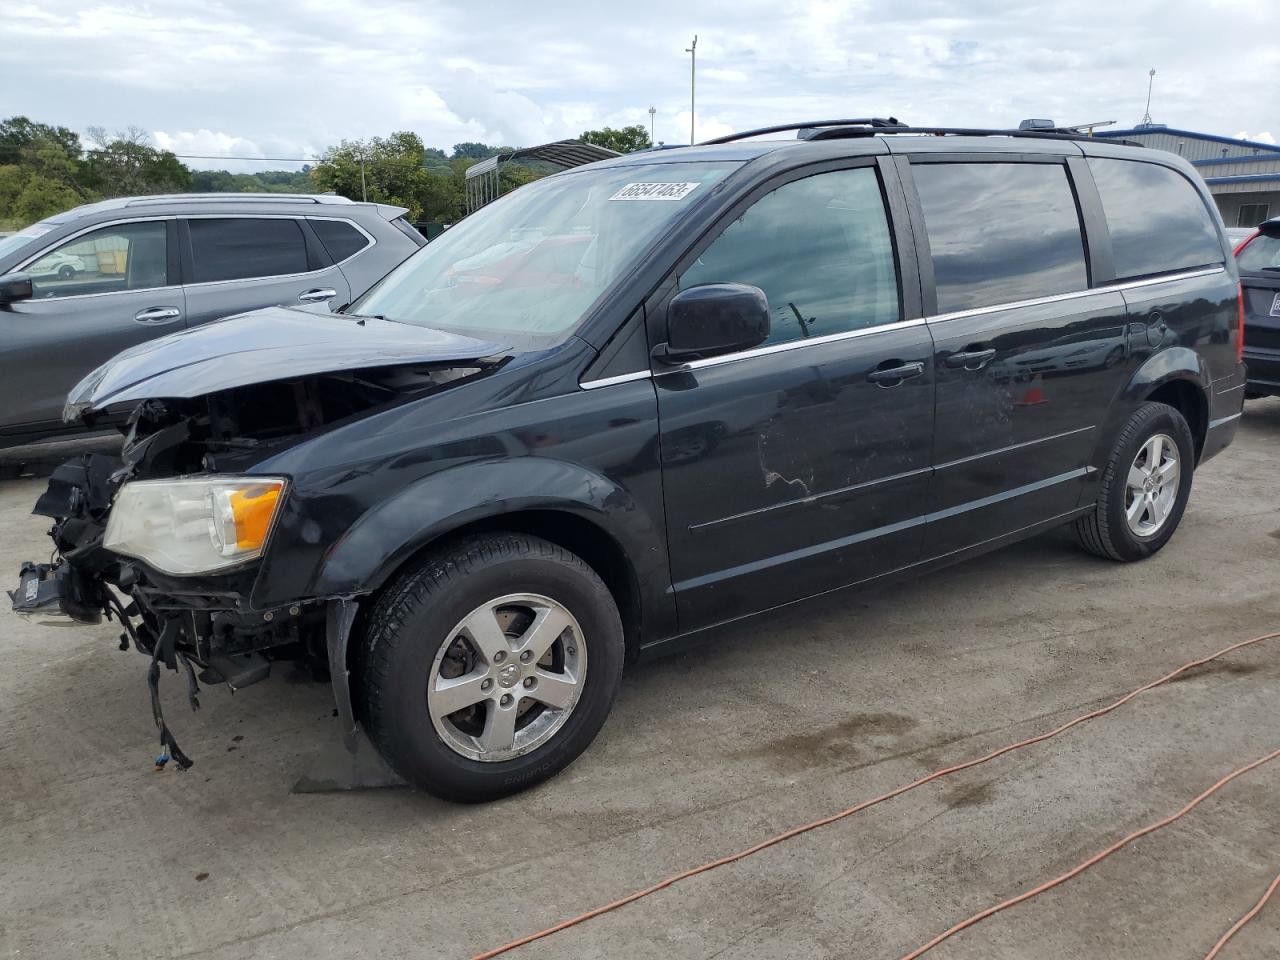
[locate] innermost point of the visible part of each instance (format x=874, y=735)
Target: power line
x=196, y=156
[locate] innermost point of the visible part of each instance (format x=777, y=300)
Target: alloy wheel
x=507, y=677
x=1151, y=488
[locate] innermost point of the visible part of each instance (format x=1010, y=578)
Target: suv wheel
x=490, y=666
x=1144, y=488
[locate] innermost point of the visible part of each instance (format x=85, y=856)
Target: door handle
x=971, y=359
x=157, y=314
x=894, y=375
x=318, y=295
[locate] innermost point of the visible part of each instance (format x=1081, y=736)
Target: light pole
x=1146, y=117
x=693, y=76
x=652, y=111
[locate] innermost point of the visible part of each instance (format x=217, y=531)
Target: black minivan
x=637, y=401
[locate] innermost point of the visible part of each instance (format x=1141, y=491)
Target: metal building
x=484, y=179
x=1243, y=176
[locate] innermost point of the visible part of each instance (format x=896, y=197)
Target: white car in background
x=64, y=266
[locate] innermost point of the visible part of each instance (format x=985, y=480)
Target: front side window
x=1157, y=220
x=524, y=269
x=1000, y=232
x=126, y=256
x=243, y=248
x=821, y=251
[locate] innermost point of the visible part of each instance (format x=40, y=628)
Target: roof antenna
x=1146, y=117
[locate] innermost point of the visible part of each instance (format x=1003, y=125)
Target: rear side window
x=340, y=238
x=243, y=248
x=1157, y=220
x=1000, y=232
x=1260, y=253
x=820, y=250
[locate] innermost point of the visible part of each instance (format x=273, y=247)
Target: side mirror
x=15, y=286
x=1270, y=228
x=714, y=318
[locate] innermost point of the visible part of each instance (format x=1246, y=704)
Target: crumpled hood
x=276, y=343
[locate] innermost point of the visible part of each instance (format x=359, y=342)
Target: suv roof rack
x=876, y=126
x=234, y=198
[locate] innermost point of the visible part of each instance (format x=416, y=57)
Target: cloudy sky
x=286, y=78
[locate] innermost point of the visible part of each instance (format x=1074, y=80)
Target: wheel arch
x=580, y=510
x=1177, y=376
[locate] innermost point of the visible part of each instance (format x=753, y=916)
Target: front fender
x=381, y=540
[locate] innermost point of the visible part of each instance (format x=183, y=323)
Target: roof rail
x=878, y=123
x=876, y=126
x=234, y=198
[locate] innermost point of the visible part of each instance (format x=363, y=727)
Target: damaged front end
x=165, y=539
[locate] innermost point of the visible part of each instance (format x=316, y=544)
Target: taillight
x=1245, y=242
x=1240, y=331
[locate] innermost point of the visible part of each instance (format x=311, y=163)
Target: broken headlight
x=185, y=527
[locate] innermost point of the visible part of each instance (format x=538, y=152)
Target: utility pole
x=1151, y=79
x=364, y=195
x=693, y=76
x=652, y=111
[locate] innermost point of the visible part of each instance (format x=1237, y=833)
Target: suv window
x=1157, y=220
x=1000, y=232
x=125, y=256
x=819, y=248
x=340, y=238
x=242, y=248
x=1260, y=253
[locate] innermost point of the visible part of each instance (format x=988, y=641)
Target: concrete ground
x=782, y=722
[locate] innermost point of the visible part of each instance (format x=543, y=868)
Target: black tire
x=410, y=622
x=66, y=271
x=1104, y=530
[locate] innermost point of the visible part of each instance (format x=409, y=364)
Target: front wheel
x=1144, y=487
x=491, y=666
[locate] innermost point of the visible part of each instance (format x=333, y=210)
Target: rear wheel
x=1144, y=487
x=491, y=666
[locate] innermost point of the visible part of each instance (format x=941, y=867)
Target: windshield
x=1261, y=253
x=20, y=239
x=524, y=269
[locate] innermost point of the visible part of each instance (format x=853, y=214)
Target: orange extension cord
x=1235, y=927
x=857, y=808
x=1100, y=855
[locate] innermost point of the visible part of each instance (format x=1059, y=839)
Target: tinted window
x=1158, y=221
x=340, y=238
x=820, y=250
x=235, y=249
x=1000, y=232
x=127, y=256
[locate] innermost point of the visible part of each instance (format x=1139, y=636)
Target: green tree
x=624, y=140
x=126, y=164
x=40, y=171
x=473, y=151
x=19, y=134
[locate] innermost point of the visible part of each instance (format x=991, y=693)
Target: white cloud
x=1261, y=137
x=289, y=78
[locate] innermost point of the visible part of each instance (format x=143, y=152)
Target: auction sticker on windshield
x=654, y=191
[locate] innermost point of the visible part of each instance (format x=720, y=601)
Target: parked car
x=625, y=407
x=79, y=287
x=1258, y=260
x=64, y=266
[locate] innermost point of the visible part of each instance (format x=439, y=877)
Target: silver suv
x=79, y=287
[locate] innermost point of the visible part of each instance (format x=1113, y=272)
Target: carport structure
x=484, y=179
